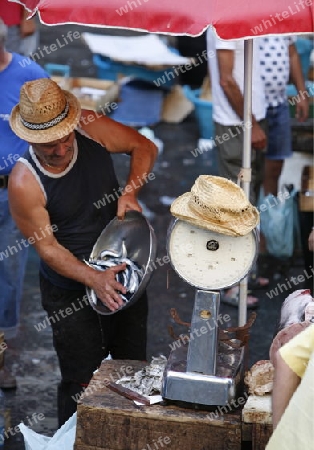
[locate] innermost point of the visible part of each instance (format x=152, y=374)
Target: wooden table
x=108, y=421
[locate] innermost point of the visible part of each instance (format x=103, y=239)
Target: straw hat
x=216, y=204
x=45, y=113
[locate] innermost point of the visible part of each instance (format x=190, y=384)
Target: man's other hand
x=127, y=202
x=258, y=138
x=107, y=288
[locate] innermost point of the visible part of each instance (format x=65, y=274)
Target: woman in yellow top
x=293, y=394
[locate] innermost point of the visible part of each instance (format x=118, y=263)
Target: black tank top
x=81, y=200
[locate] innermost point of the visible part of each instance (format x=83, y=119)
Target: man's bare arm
x=234, y=95
x=27, y=26
x=118, y=138
x=285, y=384
x=27, y=204
x=302, y=106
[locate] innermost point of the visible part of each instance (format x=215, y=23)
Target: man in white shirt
x=226, y=67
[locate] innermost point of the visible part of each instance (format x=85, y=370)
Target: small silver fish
x=105, y=254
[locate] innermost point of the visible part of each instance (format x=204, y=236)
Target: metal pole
x=246, y=155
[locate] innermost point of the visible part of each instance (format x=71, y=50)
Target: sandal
x=231, y=297
x=256, y=282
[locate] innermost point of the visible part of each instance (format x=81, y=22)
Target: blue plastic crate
x=57, y=69
x=108, y=69
x=141, y=104
x=203, y=112
x=292, y=91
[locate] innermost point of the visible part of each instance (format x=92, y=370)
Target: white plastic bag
x=279, y=222
x=63, y=439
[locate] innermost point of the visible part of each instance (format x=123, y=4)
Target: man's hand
x=127, y=202
x=106, y=287
x=258, y=138
x=302, y=110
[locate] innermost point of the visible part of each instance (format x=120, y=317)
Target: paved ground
x=32, y=356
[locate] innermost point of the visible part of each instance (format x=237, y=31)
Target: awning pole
x=246, y=156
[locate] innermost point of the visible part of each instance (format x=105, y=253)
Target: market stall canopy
x=232, y=20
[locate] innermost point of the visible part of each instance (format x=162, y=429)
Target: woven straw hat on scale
x=217, y=204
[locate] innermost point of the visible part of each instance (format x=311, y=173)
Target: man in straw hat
x=13, y=73
x=54, y=193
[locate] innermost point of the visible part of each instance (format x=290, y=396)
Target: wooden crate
x=257, y=413
x=108, y=92
x=108, y=421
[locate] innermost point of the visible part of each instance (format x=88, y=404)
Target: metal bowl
x=140, y=242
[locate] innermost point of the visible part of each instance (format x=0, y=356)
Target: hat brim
x=235, y=227
x=62, y=129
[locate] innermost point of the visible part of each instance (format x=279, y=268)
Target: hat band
x=216, y=209
x=46, y=125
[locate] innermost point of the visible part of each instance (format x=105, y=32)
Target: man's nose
x=61, y=149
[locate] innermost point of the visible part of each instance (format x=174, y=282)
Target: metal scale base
x=204, y=371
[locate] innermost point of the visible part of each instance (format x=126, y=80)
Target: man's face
x=56, y=154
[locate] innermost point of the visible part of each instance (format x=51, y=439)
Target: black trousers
x=82, y=338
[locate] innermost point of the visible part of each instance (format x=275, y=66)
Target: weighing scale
x=205, y=371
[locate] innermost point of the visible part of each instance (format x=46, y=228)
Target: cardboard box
x=94, y=94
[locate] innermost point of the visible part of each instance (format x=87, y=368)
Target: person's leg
x=279, y=146
x=229, y=152
x=229, y=155
x=273, y=169
x=258, y=165
x=306, y=223
x=130, y=331
x=13, y=258
x=255, y=280
x=78, y=340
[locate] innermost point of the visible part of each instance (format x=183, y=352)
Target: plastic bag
x=63, y=439
x=279, y=221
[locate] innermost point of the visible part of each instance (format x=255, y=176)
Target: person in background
x=279, y=60
x=293, y=393
x=23, y=36
x=306, y=222
x=12, y=256
x=226, y=68
x=55, y=187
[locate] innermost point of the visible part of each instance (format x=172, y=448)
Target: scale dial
x=209, y=260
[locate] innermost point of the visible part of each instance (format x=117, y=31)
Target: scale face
x=209, y=260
